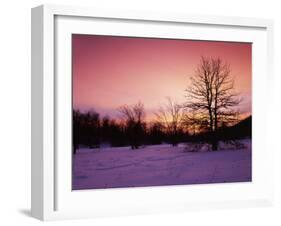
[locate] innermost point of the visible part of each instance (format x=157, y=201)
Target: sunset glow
x=110, y=71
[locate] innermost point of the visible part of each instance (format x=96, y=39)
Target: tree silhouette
x=156, y=134
x=194, y=122
x=76, y=133
x=170, y=115
x=211, y=97
x=86, y=129
x=134, y=120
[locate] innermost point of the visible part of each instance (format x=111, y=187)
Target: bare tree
x=134, y=120
x=195, y=122
x=86, y=129
x=211, y=95
x=170, y=115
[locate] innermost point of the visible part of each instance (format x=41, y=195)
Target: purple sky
x=110, y=71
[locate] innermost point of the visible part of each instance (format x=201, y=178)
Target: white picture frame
x=52, y=197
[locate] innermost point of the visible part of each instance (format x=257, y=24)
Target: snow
x=157, y=165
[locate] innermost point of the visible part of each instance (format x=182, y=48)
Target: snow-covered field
x=159, y=165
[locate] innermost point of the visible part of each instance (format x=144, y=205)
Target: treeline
x=91, y=130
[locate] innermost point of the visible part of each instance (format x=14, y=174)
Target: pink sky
x=110, y=71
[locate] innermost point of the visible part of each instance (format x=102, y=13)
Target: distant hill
x=242, y=129
x=239, y=130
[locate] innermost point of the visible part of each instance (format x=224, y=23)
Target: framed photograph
x=137, y=112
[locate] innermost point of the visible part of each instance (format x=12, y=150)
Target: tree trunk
x=215, y=135
x=214, y=141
